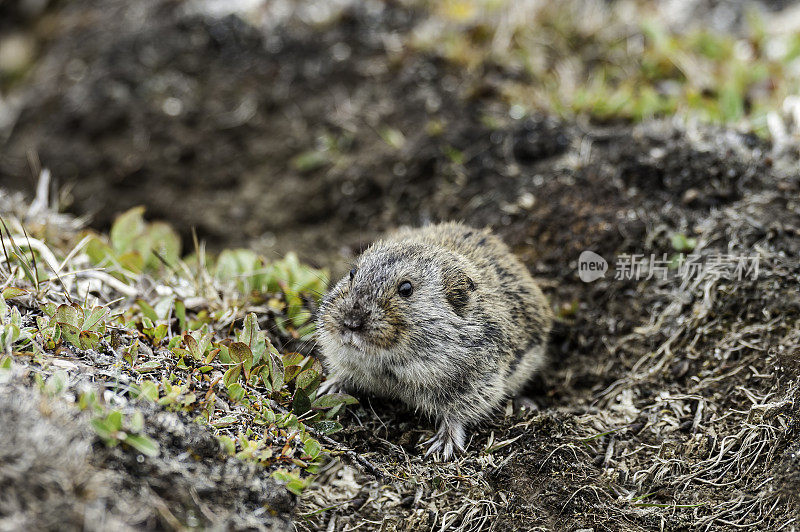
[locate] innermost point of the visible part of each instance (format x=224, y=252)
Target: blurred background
x=315, y=125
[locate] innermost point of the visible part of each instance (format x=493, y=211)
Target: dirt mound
x=54, y=478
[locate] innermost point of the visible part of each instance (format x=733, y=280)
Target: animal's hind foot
x=449, y=438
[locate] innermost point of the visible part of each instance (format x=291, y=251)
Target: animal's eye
x=405, y=289
x=352, y=273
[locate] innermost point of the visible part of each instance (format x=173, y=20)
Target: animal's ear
x=457, y=287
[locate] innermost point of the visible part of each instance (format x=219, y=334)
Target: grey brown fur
x=471, y=334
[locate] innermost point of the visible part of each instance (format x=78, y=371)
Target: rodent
x=444, y=318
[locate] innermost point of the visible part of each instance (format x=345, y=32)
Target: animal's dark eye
x=352, y=273
x=405, y=289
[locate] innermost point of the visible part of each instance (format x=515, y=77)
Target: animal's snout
x=353, y=322
x=355, y=318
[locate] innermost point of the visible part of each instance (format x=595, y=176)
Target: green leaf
x=204, y=342
x=69, y=314
x=12, y=291
x=393, y=137
x=238, y=265
x=312, y=448
x=71, y=333
x=151, y=365
x=308, y=380
x=137, y=422
x=98, y=251
x=11, y=334
x=327, y=426
x=292, y=480
x=300, y=403
x=292, y=359
x=192, y=345
x=180, y=313
x=182, y=353
x=258, y=350
x=240, y=353
x=132, y=261
x=224, y=355
x=333, y=412
x=126, y=228
x=309, y=160
x=89, y=339
x=291, y=372
x=149, y=391
x=16, y=317
x=143, y=444
x=160, y=333
x=332, y=400
x=235, y=391
x=212, y=355
x=250, y=331
x=296, y=486
x=266, y=380
x=231, y=376
x=275, y=371
x=227, y=444
x=49, y=309
x=114, y=420
x=147, y=310
x=683, y=244
x=267, y=416
x=225, y=421
x=102, y=428
x=159, y=238
x=91, y=322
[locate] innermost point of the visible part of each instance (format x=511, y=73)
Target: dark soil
x=660, y=394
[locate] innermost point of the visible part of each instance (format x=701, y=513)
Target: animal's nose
x=353, y=321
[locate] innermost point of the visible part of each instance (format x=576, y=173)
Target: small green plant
x=135, y=245
x=294, y=482
x=682, y=244
x=296, y=281
x=114, y=428
x=177, y=358
x=13, y=334
x=16, y=256
x=80, y=328
x=393, y=137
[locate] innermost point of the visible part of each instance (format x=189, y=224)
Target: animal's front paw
x=449, y=438
x=331, y=385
